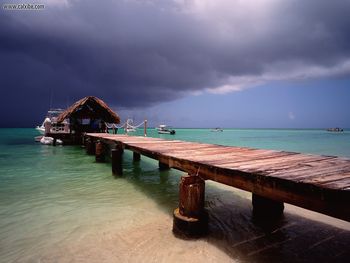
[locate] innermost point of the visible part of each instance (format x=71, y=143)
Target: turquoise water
x=58, y=205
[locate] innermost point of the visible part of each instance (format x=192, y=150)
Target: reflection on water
x=58, y=205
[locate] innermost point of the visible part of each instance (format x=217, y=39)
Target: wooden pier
x=314, y=182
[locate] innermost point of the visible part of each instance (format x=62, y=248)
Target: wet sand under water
x=300, y=236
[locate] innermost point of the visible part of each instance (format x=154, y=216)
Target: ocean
x=58, y=205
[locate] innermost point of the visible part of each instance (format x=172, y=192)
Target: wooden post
x=266, y=208
x=90, y=146
x=163, y=166
x=190, y=219
x=83, y=138
x=136, y=157
x=54, y=142
x=99, y=152
x=145, y=128
x=117, y=166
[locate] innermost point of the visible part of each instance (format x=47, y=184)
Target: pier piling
x=190, y=219
x=99, y=152
x=90, y=146
x=163, y=166
x=136, y=157
x=117, y=167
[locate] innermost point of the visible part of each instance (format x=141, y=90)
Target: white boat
x=337, y=129
x=52, y=116
x=217, y=130
x=130, y=130
x=164, y=129
x=49, y=140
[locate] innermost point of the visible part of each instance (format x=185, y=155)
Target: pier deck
x=315, y=182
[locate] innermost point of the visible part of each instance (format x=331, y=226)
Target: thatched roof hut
x=90, y=108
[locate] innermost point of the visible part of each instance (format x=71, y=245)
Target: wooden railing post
x=145, y=128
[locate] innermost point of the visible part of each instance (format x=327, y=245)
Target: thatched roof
x=90, y=107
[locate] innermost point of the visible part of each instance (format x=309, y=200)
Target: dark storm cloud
x=138, y=53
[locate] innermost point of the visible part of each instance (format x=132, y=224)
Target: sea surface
x=58, y=205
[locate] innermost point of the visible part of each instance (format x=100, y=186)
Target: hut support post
x=83, y=138
x=90, y=146
x=117, y=166
x=190, y=219
x=136, y=157
x=266, y=208
x=99, y=152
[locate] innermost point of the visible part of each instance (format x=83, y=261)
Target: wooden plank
x=198, y=152
x=339, y=184
x=279, y=163
x=233, y=160
x=161, y=149
x=323, y=180
x=311, y=169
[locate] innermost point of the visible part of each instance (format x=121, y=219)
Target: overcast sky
x=189, y=63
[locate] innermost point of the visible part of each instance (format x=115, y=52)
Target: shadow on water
x=292, y=238
x=232, y=227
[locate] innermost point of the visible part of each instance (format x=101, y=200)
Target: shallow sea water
x=58, y=205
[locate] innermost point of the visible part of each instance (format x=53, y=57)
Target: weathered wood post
x=99, y=152
x=145, y=128
x=136, y=157
x=90, y=146
x=54, y=142
x=190, y=219
x=117, y=166
x=266, y=208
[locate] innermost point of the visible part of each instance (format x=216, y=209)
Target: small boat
x=335, y=129
x=41, y=128
x=38, y=138
x=163, y=129
x=52, y=116
x=217, y=130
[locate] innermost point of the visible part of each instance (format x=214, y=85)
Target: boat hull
x=167, y=132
